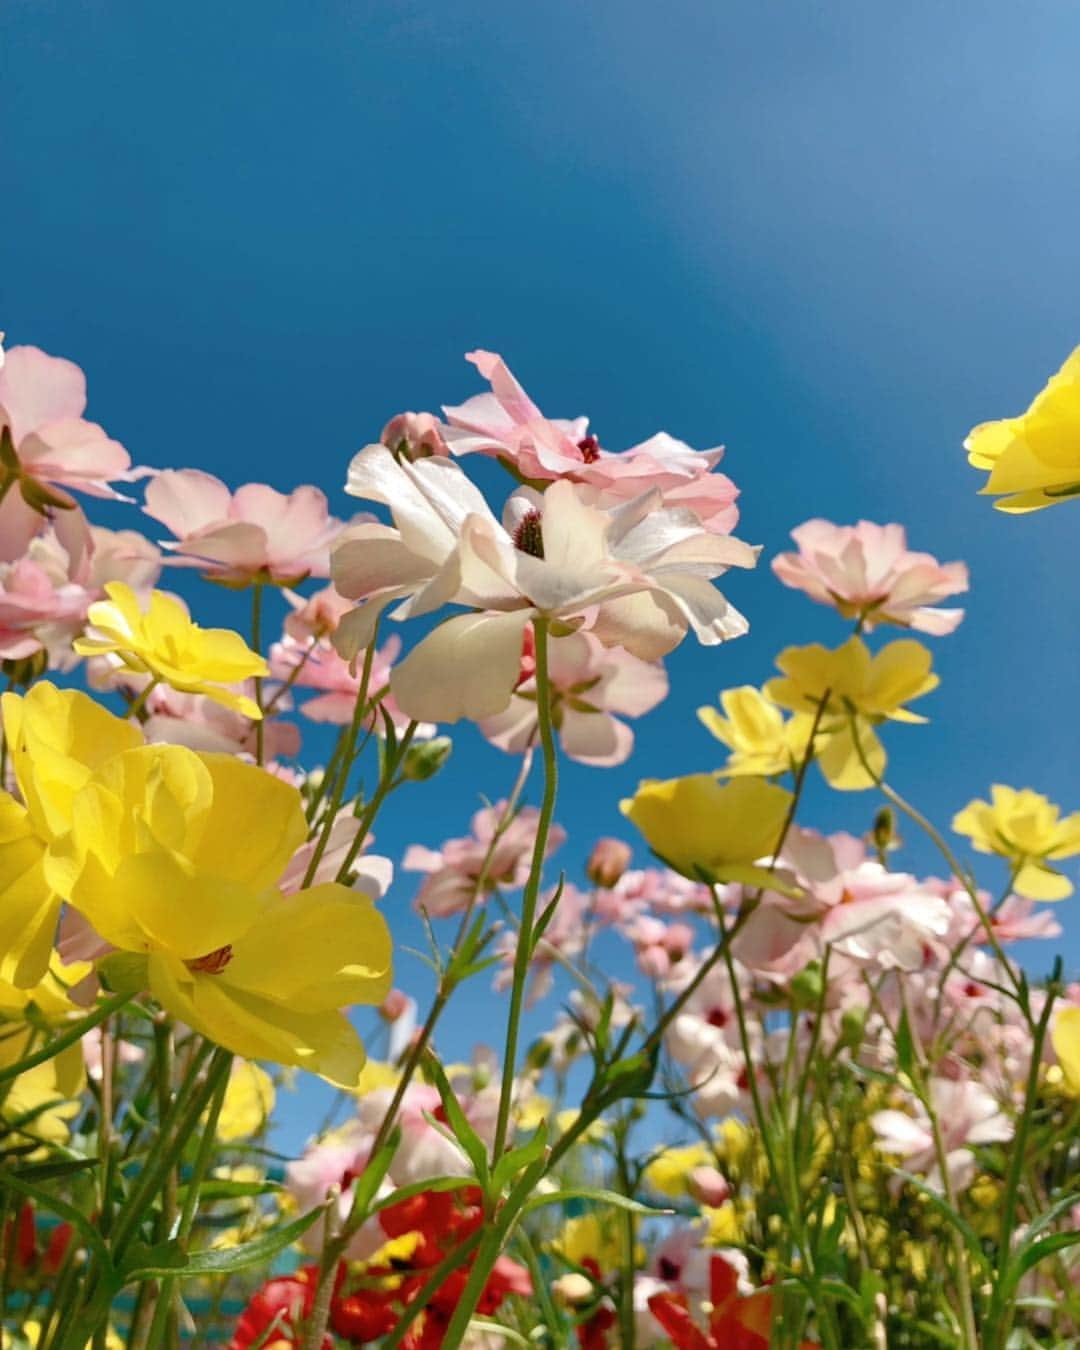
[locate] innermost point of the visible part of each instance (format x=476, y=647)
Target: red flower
x=735, y=1323
x=278, y=1310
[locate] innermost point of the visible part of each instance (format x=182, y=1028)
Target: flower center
x=213, y=963
x=529, y=537
x=590, y=449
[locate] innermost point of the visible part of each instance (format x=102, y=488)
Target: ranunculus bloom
x=875, y=686
x=202, y=723
x=508, y=426
x=867, y=572
x=253, y=534
x=48, y=445
x=756, y=733
x=1028, y=829
x=589, y=684
x=1034, y=460
x=29, y=604
x=143, y=841
x=1065, y=1035
x=163, y=642
x=637, y=576
x=703, y=828
x=457, y=869
x=967, y=1114
x=315, y=664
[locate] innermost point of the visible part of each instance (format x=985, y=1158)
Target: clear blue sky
x=829, y=236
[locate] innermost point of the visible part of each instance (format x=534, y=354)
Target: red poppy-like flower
x=735, y=1322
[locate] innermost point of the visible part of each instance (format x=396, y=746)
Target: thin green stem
x=523, y=954
x=75, y=1032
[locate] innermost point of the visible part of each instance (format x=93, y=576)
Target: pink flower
x=507, y=425
x=456, y=870
x=967, y=1114
x=608, y=862
x=177, y=718
x=369, y=872
x=52, y=447
x=414, y=435
x=318, y=666
x=589, y=683
x=659, y=946
x=638, y=577
x=867, y=572
x=29, y=603
x=253, y=534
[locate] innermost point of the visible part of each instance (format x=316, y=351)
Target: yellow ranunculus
x=851, y=681
x=166, y=644
x=249, y=1101
x=1065, y=1035
x=668, y=1171
x=1034, y=458
x=1026, y=828
x=177, y=855
x=702, y=828
x=38, y=1103
x=56, y=738
x=754, y=730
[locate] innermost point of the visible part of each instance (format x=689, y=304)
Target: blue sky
x=829, y=236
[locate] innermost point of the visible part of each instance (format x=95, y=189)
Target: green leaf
x=215, y=1189
x=47, y=1171
x=597, y=1194
x=1039, y=1251
x=517, y=1159
x=905, y=1045
x=421, y=1187
x=258, y=1252
x=462, y=1131
x=82, y=1225
x=546, y=915
x=371, y=1178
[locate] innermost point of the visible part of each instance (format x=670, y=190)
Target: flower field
x=818, y=1101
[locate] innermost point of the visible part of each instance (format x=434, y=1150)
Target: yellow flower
x=1026, y=828
x=1065, y=1036
x=176, y=855
x=38, y=1103
x=1034, y=458
x=702, y=828
x=55, y=738
x=667, y=1173
x=722, y=1225
x=755, y=732
x=851, y=681
x=601, y=1238
x=249, y=1101
x=164, y=643
x=376, y=1074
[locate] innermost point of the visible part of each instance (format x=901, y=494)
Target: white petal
x=467, y=667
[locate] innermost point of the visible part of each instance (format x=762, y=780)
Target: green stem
x=75, y=1032
x=531, y=898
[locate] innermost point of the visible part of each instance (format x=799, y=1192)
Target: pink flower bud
x=394, y=1005
x=608, y=861
x=708, y=1186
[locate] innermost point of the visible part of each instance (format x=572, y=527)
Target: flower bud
x=394, y=1005
x=708, y=1186
x=806, y=987
x=608, y=861
x=572, y=1289
x=425, y=760
x=852, y=1027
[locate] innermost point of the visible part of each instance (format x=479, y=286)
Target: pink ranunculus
x=507, y=425
x=29, y=605
x=659, y=946
x=414, y=435
x=608, y=862
x=967, y=1114
x=589, y=684
x=53, y=447
x=316, y=615
x=455, y=871
x=255, y=533
x=178, y=718
x=370, y=872
x=637, y=576
x=318, y=666
x=867, y=571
